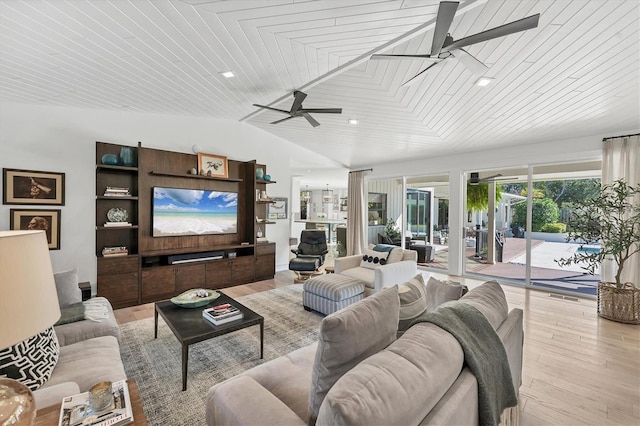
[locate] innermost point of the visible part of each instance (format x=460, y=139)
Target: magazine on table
x=222, y=314
x=76, y=411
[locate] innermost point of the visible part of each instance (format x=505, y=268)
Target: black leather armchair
x=310, y=253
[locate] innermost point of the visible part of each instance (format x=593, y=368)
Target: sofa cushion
x=413, y=297
x=350, y=335
x=398, y=385
x=31, y=361
x=489, y=299
x=372, y=259
x=440, y=291
x=67, y=287
x=395, y=252
x=366, y=275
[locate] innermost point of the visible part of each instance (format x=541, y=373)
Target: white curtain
x=621, y=160
x=356, y=213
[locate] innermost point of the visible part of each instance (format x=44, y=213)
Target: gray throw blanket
x=94, y=309
x=484, y=353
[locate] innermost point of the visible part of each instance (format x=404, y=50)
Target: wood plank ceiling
x=577, y=74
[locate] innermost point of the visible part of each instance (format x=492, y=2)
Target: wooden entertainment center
x=145, y=274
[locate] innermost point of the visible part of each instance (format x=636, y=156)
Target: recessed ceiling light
x=353, y=121
x=484, y=81
x=228, y=74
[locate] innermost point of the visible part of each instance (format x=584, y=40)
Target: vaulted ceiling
x=576, y=74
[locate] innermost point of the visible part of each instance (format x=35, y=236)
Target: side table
x=49, y=416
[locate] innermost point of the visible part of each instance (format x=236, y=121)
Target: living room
x=46, y=128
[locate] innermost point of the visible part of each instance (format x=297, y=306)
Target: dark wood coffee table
x=189, y=327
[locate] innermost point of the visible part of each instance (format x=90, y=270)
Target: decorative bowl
x=194, y=298
x=267, y=178
x=110, y=159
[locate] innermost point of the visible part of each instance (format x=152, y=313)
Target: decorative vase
x=259, y=233
x=110, y=159
x=126, y=156
x=267, y=177
x=259, y=173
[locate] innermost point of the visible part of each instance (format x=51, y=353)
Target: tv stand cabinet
x=145, y=274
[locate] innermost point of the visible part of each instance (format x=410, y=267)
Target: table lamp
x=28, y=306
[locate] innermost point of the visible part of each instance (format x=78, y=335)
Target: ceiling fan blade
x=310, y=119
x=490, y=178
x=404, y=57
x=470, y=61
x=297, y=103
x=273, y=109
x=284, y=119
x=322, y=110
x=412, y=79
x=501, y=31
x=446, y=12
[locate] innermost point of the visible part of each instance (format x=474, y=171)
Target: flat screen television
x=181, y=211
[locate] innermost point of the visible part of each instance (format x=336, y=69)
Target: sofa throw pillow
x=67, y=287
x=350, y=335
x=372, y=259
x=31, y=361
x=413, y=302
x=439, y=292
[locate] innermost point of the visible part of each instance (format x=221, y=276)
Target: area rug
x=156, y=363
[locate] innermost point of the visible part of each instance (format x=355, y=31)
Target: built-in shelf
x=189, y=175
x=268, y=201
x=116, y=168
x=265, y=181
x=265, y=222
x=105, y=197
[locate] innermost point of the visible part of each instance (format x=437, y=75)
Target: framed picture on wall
x=213, y=165
x=32, y=187
x=43, y=220
x=278, y=209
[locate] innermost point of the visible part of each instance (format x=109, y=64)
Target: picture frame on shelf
x=218, y=165
x=33, y=187
x=38, y=219
x=278, y=209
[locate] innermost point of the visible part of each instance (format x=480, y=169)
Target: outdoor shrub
x=544, y=211
x=554, y=228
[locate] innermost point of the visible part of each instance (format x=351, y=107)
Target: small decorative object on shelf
x=259, y=173
x=194, y=171
x=115, y=251
x=117, y=214
x=116, y=191
x=259, y=234
x=110, y=159
x=267, y=177
x=127, y=156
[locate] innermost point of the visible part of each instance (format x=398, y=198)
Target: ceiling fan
x=474, y=178
x=444, y=46
x=298, y=111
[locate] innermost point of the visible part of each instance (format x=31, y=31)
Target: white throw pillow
x=372, y=259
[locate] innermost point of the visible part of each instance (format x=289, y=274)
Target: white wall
x=63, y=140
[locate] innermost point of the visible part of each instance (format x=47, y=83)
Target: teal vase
x=127, y=156
x=259, y=173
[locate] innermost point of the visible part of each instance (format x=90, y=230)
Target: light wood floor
x=579, y=369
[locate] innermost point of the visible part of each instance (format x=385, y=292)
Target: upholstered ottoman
x=328, y=293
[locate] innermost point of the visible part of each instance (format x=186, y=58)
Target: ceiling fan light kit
x=443, y=45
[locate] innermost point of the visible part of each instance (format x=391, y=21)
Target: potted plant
x=392, y=230
x=612, y=220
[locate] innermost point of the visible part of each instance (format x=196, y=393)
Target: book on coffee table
x=76, y=411
x=222, y=314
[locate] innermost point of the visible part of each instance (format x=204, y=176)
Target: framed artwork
x=33, y=187
x=216, y=164
x=45, y=220
x=278, y=209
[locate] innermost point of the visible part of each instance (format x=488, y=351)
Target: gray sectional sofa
x=89, y=353
x=359, y=373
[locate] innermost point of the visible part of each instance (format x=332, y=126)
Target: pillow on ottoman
x=350, y=335
x=31, y=361
x=67, y=287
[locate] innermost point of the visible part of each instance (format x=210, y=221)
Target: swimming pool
x=588, y=249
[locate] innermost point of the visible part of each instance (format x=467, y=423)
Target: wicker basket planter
x=619, y=304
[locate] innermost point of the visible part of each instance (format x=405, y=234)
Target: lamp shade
x=28, y=298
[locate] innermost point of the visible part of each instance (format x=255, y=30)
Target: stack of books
x=115, y=191
x=115, y=251
x=76, y=410
x=222, y=314
x=107, y=224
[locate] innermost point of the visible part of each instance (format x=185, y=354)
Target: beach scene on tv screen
x=178, y=211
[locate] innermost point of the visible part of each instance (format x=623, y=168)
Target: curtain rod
x=623, y=136
x=363, y=170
